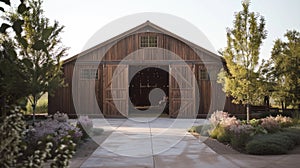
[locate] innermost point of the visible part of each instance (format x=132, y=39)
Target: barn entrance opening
x=144, y=82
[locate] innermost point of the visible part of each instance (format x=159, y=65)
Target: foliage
x=62, y=136
x=60, y=117
x=274, y=114
x=11, y=77
x=220, y=133
x=240, y=79
x=40, y=155
x=41, y=107
x=11, y=132
x=277, y=143
x=254, y=122
x=202, y=130
x=258, y=130
x=85, y=124
x=222, y=118
x=284, y=121
x=270, y=124
x=256, y=147
x=64, y=152
x=32, y=148
x=283, y=70
x=39, y=51
x=239, y=135
x=255, y=133
x=57, y=130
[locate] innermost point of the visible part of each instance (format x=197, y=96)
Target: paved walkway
x=163, y=144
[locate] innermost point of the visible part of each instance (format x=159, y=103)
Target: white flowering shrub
x=223, y=119
x=60, y=117
x=270, y=124
x=284, y=121
x=85, y=124
x=217, y=117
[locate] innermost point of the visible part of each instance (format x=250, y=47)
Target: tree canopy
x=244, y=40
x=36, y=48
x=283, y=69
x=242, y=55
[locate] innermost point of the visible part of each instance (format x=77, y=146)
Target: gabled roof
x=151, y=27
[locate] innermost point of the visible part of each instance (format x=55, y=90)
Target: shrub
x=223, y=118
x=240, y=134
x=256, y=147
x=11, y=133
x=254, y=122
x=258, y=130
x=64, y=152
x=217, y=117
x=274, y=114
x=293, y=133
x=220, y=133
x=221, y=121
x=85, y=125
x=284, y=121
x=18, y=149
x=60, y=117
x=200, y=129
x=277, y=143
x=57, y=130
x=195, y=129
x=270, y=124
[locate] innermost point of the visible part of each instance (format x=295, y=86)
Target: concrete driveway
x=162, y=142
x=165, y=143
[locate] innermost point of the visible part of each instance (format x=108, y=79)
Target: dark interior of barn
x=144, y=80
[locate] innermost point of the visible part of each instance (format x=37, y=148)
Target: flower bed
x=259, y=136
x=62, y=136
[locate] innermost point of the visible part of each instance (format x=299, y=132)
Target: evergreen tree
x=241, y=79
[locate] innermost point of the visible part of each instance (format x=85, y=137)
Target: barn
x=115, y=78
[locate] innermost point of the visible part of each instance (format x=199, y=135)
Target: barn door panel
x=182, y=91
x=115, y=90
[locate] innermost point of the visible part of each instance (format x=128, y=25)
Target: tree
x=241, y=79
x=39, y=50
x=11, y=76
x=285, y=69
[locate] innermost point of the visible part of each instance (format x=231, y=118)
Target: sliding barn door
x=115, y=90
x=182, y=91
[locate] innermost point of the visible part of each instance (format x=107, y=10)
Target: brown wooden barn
x=107, y=78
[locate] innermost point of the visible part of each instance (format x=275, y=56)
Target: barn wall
x=210, y=91
x=62, y=99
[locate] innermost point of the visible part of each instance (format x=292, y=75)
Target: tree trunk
x=33, y=113
x=248, y=112
x=282, y=106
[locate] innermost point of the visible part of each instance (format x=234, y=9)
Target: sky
x=82, y=19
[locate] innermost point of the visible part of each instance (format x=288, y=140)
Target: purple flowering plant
x=54, y=130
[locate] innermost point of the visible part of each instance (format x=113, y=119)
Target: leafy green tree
x=11, y=76
x=39, y=50
x=241, y=79
x=285, y=69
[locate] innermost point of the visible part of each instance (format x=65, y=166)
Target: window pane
x=203, y=75
x=89, y=74
x=148, y=41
